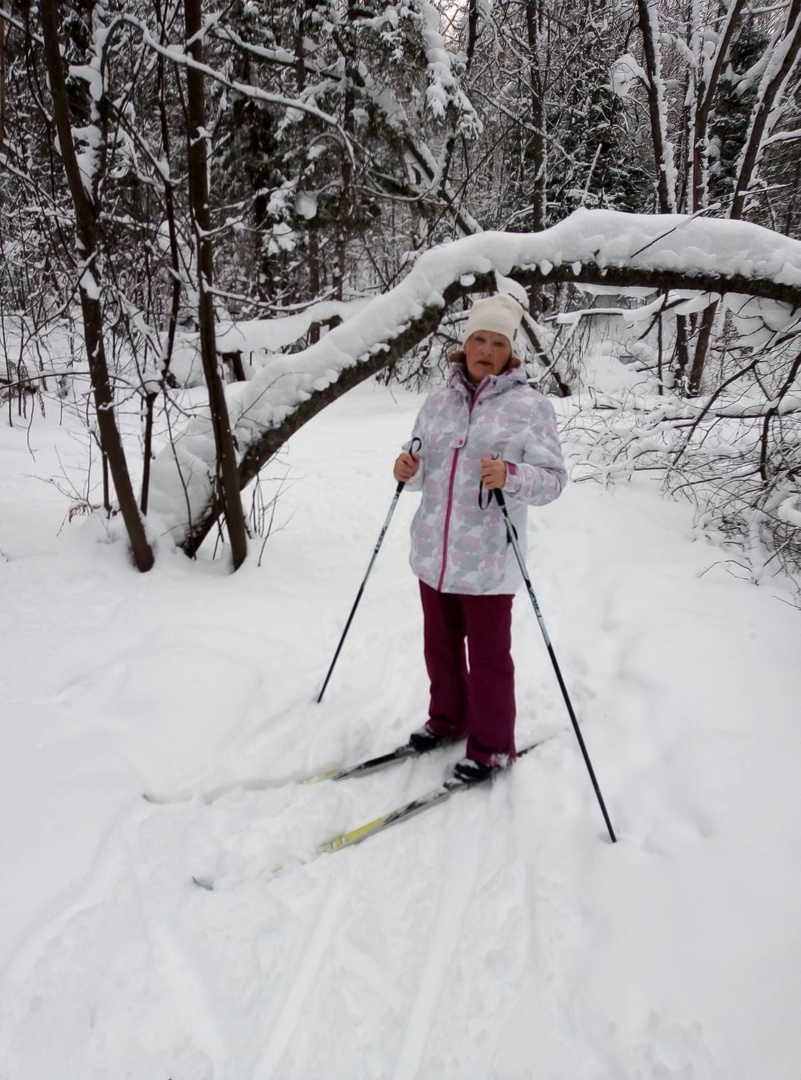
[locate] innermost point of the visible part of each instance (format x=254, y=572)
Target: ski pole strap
x=412, y=450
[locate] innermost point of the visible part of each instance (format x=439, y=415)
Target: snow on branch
x=443, y=89
x=177, y=55
x=598, y=248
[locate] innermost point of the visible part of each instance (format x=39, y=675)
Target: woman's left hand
x=493, y=473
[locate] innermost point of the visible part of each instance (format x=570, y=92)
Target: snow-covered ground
x=498, y=937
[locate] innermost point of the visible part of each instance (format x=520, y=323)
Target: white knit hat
x=500, y=313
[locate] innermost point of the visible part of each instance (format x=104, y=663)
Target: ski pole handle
x=412, y=450
x=489, y=492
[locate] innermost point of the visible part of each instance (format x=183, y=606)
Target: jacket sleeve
x=539, y=477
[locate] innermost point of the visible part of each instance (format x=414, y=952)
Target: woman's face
x=486, y=353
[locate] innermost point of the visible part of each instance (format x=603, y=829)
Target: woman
x=487, y=427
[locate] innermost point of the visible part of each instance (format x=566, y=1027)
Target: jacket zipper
x=448, y=518
x=449, y=508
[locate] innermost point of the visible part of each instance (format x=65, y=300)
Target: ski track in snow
x=289, y=1016
x=461, y=866
x=498, y=937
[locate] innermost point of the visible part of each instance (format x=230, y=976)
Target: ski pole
x=512, y=534
x=376, y=549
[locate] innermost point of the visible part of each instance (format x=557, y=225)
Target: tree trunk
x=701, y=350
x=682, y=360
x=649, y=28
x=147, y=451
x=766, y=111
x=537, y=146
x=227, y=471
x=89, y=287
x=707, y=88
x=175, y=263
x=415, y=328
x=2, y=82
x=761, y=120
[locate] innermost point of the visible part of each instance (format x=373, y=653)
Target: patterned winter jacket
x=457, y=546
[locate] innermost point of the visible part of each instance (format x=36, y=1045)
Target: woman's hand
x=493, y=473
x=406, y=467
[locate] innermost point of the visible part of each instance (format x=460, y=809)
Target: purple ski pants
x=475, y=698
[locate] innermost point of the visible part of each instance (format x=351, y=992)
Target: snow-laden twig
x=736, y=457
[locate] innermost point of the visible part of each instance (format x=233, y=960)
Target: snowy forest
x=179, y=186
x=238, y=243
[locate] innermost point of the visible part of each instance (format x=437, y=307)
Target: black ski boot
x=424, y=739
x=472, y=772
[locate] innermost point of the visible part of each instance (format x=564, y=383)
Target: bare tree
x=227, y=475
x=84, y=197
x=655, y=89
x=737, y=68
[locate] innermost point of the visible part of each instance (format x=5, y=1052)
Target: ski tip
x=341, y=774
x=318, y=778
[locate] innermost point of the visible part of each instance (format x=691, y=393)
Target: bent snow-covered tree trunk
x=593, y=248
x=84, y=202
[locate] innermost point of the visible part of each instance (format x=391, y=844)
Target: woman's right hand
x=406, y=467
